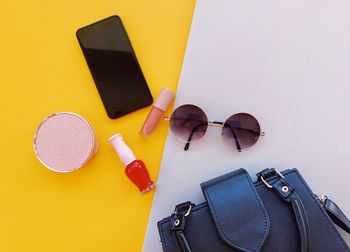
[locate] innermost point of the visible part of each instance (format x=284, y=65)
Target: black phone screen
x=114, y=67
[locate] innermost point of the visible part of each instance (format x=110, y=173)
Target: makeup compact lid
x=64, y=142
x=164, y=99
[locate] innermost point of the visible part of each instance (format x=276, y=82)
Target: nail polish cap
x=123, y=150
x=164, y=99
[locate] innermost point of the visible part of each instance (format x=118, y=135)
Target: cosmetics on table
x=64, y=142
x=135, y=169
x=156, y=113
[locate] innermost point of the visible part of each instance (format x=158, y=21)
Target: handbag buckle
x=184, y=207
x=178, y=218
x=322, y=198
x=265, y=182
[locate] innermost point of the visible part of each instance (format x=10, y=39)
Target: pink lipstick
x=157, y=111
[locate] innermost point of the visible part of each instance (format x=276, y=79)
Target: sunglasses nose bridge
x=217, y=124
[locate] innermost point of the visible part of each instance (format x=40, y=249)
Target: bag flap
x=238, y=212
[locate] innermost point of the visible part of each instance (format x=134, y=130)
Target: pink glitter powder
x=64, y=142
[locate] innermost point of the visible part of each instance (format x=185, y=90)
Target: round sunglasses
x=189, y=122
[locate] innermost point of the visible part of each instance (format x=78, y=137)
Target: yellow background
x=42, y=71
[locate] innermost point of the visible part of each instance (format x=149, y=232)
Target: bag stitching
x=162, y=237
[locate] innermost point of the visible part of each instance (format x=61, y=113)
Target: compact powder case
x=64, y=142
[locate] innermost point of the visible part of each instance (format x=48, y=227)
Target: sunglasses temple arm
x=236, y=140
x=261, y=133
x=217, y=123
x=187, y=145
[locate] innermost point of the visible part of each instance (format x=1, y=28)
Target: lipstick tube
x=135, y=169
x=157, y=111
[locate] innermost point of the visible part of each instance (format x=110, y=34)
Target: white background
x=285, y=62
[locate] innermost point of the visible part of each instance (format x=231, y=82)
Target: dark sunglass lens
x=188, y=122
x=241, y=131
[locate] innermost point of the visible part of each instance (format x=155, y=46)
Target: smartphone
x=114, y=67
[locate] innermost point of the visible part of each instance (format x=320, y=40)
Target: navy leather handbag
x=277, y=213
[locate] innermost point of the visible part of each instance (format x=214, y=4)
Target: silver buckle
x=267, y=184
x=188, y=211
x=322, y=199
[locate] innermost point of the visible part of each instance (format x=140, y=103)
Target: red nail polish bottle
x=135, y=169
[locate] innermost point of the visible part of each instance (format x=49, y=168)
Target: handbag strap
x=178, y=223
x=289, y=194
x=336, y=214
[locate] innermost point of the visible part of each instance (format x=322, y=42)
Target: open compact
x=64, y=142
